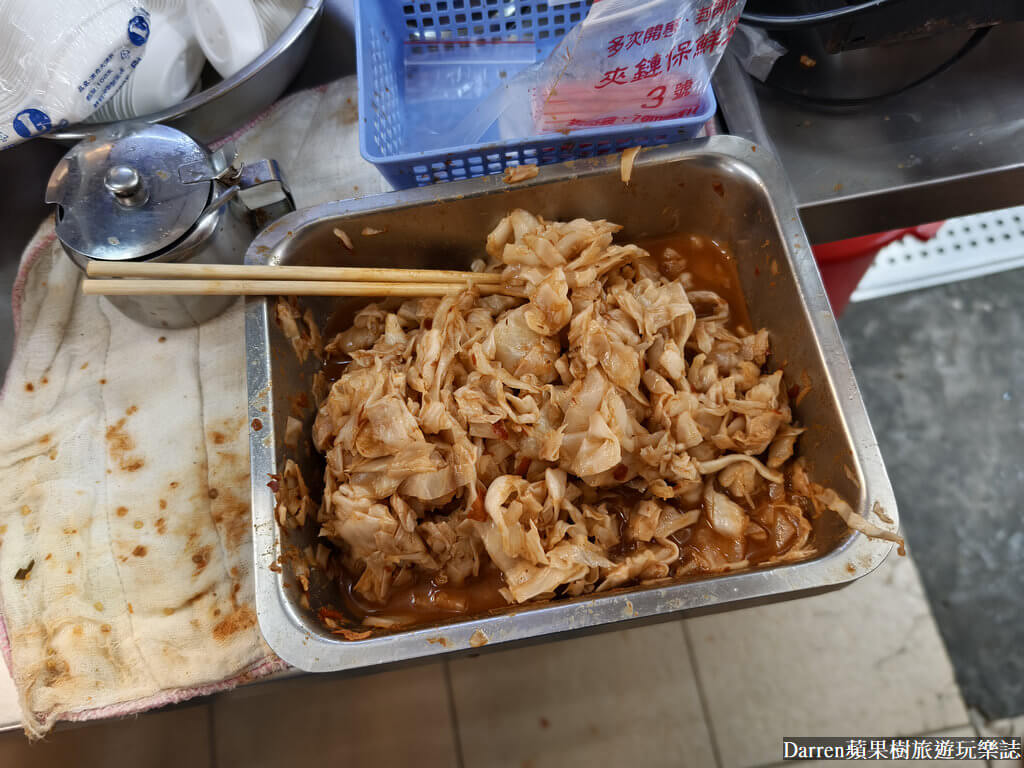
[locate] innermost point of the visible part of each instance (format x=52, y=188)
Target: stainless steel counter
x=953, y=145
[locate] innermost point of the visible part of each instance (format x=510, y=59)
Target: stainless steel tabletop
x=951, y=146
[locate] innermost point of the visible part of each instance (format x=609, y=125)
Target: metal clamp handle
x=257, y=174
x=226, y=168
x=265, y=172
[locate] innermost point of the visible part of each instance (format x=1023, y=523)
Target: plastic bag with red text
x=627, y=62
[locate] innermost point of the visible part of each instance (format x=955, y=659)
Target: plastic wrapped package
x=439, y=84
x=60, y=60
x=756, y=51
x=626, y=63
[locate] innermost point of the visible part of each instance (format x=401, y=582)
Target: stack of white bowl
x=184, y=35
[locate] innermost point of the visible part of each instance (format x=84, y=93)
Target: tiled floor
x=399, y=717
x=716, y=691
x=863, y=661
x=610, y=699
x=180, y=737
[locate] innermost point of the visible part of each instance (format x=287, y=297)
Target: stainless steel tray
x=723, y=187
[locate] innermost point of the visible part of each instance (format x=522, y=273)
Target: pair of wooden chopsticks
x=253, y=280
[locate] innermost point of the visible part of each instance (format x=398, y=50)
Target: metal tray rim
x=283, y=628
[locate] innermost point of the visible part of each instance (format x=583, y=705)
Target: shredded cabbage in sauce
x=619, y=424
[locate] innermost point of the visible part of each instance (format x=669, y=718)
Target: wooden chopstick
x=276, y=288
x=263, y=272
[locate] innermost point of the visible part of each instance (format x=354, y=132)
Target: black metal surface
x=846, y=26
x=901, y=21
x=821, y=86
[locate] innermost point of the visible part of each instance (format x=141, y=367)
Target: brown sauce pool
x=713, y=268
x=333, y=369
x=425, y=601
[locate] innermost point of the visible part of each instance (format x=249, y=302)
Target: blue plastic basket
x=454, y=52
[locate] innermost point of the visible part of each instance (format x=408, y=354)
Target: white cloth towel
x=124, y=477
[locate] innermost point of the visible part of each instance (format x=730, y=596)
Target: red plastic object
x=844, y=262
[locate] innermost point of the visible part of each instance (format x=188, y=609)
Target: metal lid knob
x=123, y=181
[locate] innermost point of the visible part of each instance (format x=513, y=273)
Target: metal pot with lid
x=140, y=192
